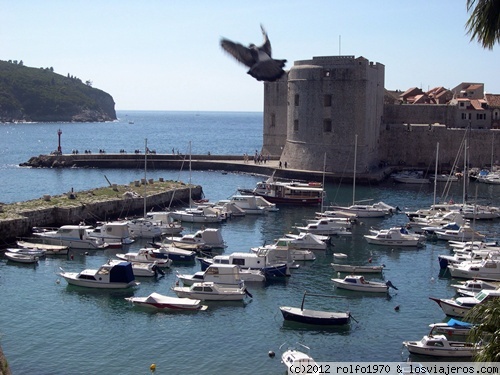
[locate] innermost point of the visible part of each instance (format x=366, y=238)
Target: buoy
x=58, y=281
x=152, y=367
x=271, y=354
x=432, y=279
x=396, y=308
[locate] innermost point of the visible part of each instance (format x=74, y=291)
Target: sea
x=48, y=327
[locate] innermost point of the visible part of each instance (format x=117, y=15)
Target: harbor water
x=48, y=327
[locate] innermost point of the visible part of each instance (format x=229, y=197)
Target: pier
x=230, y=163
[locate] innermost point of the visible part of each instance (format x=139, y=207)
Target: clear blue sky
x=165, y=55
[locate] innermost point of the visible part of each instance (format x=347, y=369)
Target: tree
x=487, y=330
x=484, y=22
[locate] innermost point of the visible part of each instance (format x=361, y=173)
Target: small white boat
x=411, y=177
x=144, y=228
x=327, y=226
x=145, y=255
x=452, y=327
x=199, y=214
x=281, y=251
x=167, y=224
x=160, y=302
x=74, y=236
x=395, y=237
x=486, y=269
x=49, y=249
x=379, y=209
x=359, y=284
x=474, y=286
x=114, y=233
x=348, y=268
x=340, y=256
x=440, y=346
x=458, y=307
x=21, y=258
x=109, y=276
x=223, y=274
x=27, y=251
x=298, y=362
x=253, y=204
x=308, y=241
x=464, y=233
x=142, y=269
x=207, y=238
x=209, y=291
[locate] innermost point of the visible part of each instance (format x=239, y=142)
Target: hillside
x=39, y=94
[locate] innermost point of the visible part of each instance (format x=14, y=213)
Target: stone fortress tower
x=319, y=108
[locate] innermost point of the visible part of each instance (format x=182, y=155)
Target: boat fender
x=171, y=225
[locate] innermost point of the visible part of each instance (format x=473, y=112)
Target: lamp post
x=59, y=150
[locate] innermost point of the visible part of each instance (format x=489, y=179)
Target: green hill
x=39, y=94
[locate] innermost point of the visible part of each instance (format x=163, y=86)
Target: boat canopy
x=121, y=273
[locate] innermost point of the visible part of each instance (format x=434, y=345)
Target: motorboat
x=314, y=317
x=410, y=177
x=145, y=255
x=203, y=239
x=110, y=275
x=27, y=251
x=307, y=241
x=359, y=284
x=288, y=192
x=209, y=291
x=379, y=209
x=21, y=258
x=464, y=233
x=49, y=249
x=474, y=286
x=254, y=261
x=326, y=226
x=487, y=269
x=199, y=214
x=224, y=274
x=438, y=221
x=281, y=251
x=340, y=256
x=298, y=362
x=451, y=328
x=348, y=268
x=144, y=228
x=440, y=346
x=169, y=251
x=395, y=237
x=458, y=307
x=142, y=269
x=115, y=234
x=73, y=236
x=166, y=303
x=164, y=220
x=444, y=177
x=253, y=204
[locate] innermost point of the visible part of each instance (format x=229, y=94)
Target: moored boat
x=161, y=302
x=145, y=255
x=440, y=346
x=298, y=362
x=21, y=258
x=73, y=236
x=209, y=291
x=395, y=237
x=348, y=268
x=109, y=276
x=359, y=284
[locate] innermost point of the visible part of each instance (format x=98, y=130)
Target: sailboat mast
x=436, y=173
x=189, y=174
x=323, y=192
x=354, y=174
x=145, y=171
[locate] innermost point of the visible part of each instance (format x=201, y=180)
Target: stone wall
x=112, y=208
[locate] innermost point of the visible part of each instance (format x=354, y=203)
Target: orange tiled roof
x=493, y=100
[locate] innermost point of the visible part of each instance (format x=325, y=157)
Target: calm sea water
x=47, y=327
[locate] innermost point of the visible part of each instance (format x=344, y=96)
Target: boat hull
x=356, y=269
x=369, y=288
x=72, y=279
x=464, y=351
x=314, y=317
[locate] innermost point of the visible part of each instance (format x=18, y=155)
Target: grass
x=15, y=210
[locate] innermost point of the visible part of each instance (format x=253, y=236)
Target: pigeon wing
x=269, y=70
x=239, y=52
x=266, y=47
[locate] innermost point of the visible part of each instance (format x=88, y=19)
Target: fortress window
x=296, y=100
x=295, y=125
x=464, y=116
x=273, y=120
x=327, y=125
x=328, y=100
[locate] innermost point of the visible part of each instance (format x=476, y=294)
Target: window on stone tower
x=273, y=119
x=327, y=125
x=295, y=125
x=296, y=100
x=328, y=100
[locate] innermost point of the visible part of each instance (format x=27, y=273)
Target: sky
x=165, y=54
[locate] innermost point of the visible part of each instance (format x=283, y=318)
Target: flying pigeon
x=259, y=59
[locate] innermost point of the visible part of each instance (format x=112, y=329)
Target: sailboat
x=379, y=209
x=142, y=227
x=200, y=213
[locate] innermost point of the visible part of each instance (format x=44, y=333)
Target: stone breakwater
x=117, y=201
x=232, y=163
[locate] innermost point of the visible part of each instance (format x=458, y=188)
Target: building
x=324, y=109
